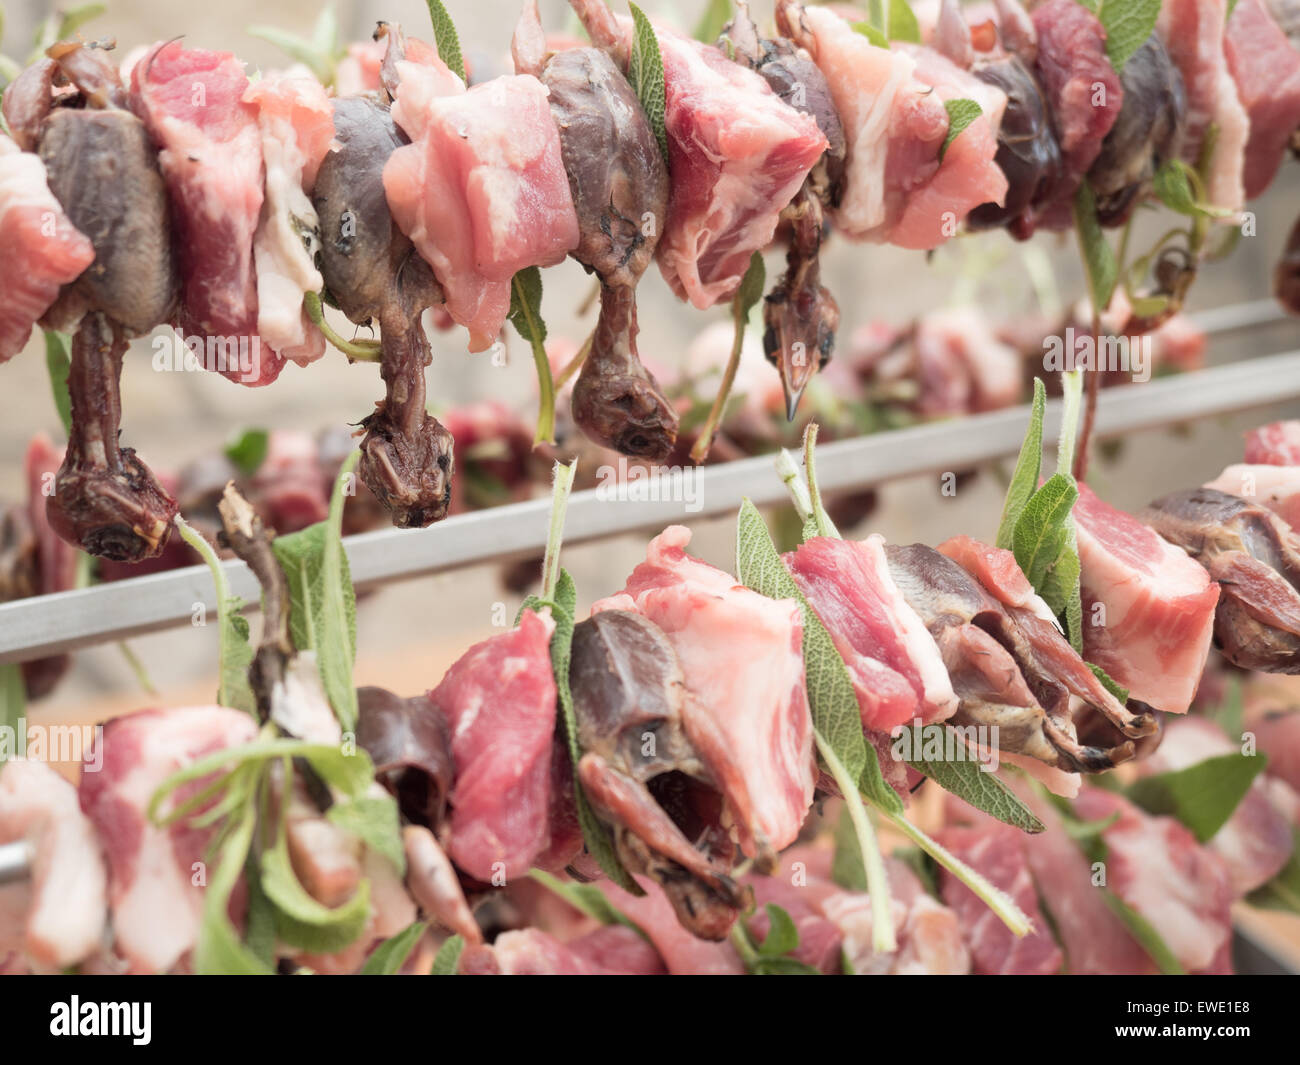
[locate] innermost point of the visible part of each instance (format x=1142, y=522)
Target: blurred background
x=409, y=633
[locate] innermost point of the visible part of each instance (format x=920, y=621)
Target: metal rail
x=54, y=624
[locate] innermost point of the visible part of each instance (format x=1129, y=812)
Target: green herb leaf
x=300, y=920
x=1117, y=690
x=323, y=605
x=587, y=899
x=902, y=22
x=963, y=777
x=299, y=49
x=374, y=820
x=1180, y=188
x=716, y=14
x=1147, y=937
x=388, y=958
x=13, y=700
x=58, y=360
x=1098, y=256
x=646, y=74
x=1202, y=796
x=526, y=317
x=217, y=948
x=259, y=922
x=782, y=935
x=448, y=41
x=235, y=650
x=448, y=960
x=748, y=293
x=871, y=33
x=1283, y=891
x=1041, y=541
x=1128, y=23
x=1024, y=481
x=247, y=451
x=961, y=113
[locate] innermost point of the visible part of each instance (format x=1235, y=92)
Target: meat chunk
x=1193, y=32
x=1155, y=605
x=1255, y=557
x=615, y=950
x=897, y=671
x=1275, y=444
x=1265, y=67
x=481, y=190
x=683, y=954
x=1274, y=487
x=499, y=699
x=56, y=918
x=46, y=250
x=1156, y=866
x=997, y=851
x=737, y=155
x=155, y=894
x=210, y=150
x=742, y=659
x=1256, y=841
x=296, y=124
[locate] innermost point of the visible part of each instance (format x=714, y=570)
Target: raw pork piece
x=1275, y=487
x=737, y=155
x=961, y=366
x=896, y=188
x=615, y=950
x=1083, y=93
x=154, y=901
x=210, y=151
x=1194, y=35
x=998, y=852
x=1256, y=841
x=296, y=122
x=742, y=658
x=481, y=190
x=682, y=953
x=898, y=673
x=1156, y=866
x=43, y=250
x=999, y=572
x=1266, y=69
x=1278, y=733
x=1095, y=940
x=57, y=917
x=1276, y=444
x=499, y=699
x=609, y=951
x=1159, y=606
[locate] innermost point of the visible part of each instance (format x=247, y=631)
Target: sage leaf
x=646, y=75
x=388, y=958
x=782, y=935
x=716, y=14
x=300, y=920
x=1024, y=481
x=587, y=899
x=961, y=113
x=902, y=22
x=1202, y=796
x=526, y=316
x=1041, y=540
x=58, y=361
x=871, y=33
x=963, y=776
x=447, y=961
x=13, y=703
x=374, y=820
x=247, y=451
x=447, y=39
x=1128, y=23
x=1098, y=257
x=1147, y=937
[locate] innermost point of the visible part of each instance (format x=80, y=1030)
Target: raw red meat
x=288, y=489
x=210, y=151
x=820, y=939
x=998, y=571
x=481, y=190
x=1278, y=732
x=1159, y=606
x=499, y=699
x=896, y=188
x=1275, y=487
x=1194, y=35
x=616, y=950
x=1156, y=866
x=1256, y=841
x=898, y=673
x=1266, y=69
x=1275, y=444
x=153, y=895
x=57, y=917
x=737, y=155
x=998, y=852
x=682, y=953
x=742, y=657
x=1083, y=93
x=43, y=250
x=296, y=122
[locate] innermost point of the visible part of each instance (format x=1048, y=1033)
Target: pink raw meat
x=1275, y=487
x=1156, y=866
x=288, y=489
x=616, y=950
x=1275, y=444
x=481, y=190
x=682, y=953
x=1082, y=91
x=820, y=938
x=296, y=122
x=153, y=897
x=898, y=673
x=1256, y=841
x=737, y=155
x=210, y=152
x=742, y=657
x=998, y=852
x=43, y=251
x=998, y=571
x=57, y=917
x=1159, y=606
x=891, y=102
x=1279, y=737
x=1193, y=32
x=499, y=699
x=1266, y=69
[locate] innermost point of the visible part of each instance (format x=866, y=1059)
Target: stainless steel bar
x=15, y=861
x=1235, y=317
x=35, y=628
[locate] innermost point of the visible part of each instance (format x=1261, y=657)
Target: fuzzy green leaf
x=447, y=39
x=782, y=935
x=58, y=361
x=1098, y=256
x=961, y=113
x=1024, y=481
x=902, y=22
x=374, y=820
x=300, y=920
x=247, y=451
x=1128, y=23
x=1202, y=796
x=1041, y=541
x=716, y=14
x=448, y=960
x=388, y=958
x=646, y=74
x=963, y=776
